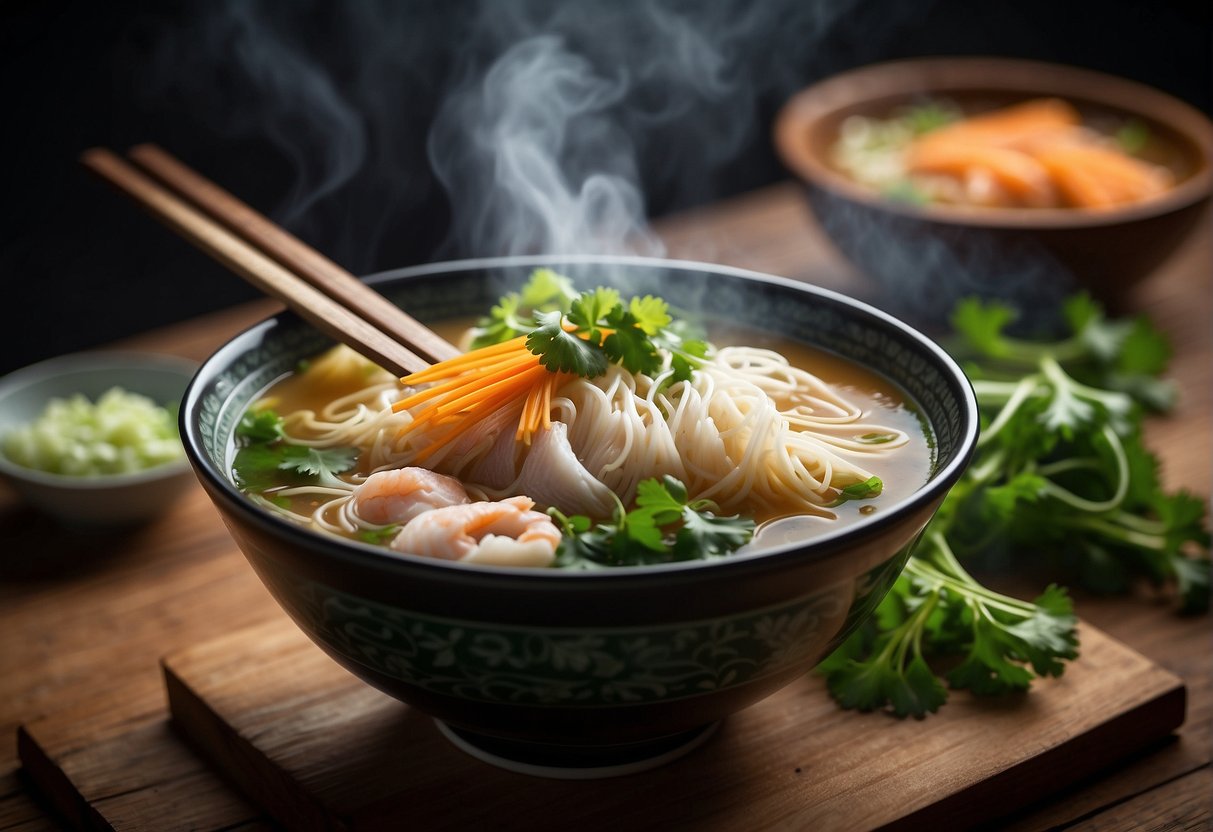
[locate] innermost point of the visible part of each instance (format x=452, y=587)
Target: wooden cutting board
x=318, y=749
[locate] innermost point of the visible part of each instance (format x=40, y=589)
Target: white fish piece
x=552, y=475
x=500, y=465
x=502, y=532
x=401, y=494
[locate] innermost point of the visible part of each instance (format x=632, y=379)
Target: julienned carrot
x=469, y=387
x=486, y=374
x=508, y=387
x=445, y=369
x=537, y=412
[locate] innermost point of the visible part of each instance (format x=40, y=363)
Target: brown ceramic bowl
x=925, y=257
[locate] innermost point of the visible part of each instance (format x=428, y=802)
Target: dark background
x=80, y=266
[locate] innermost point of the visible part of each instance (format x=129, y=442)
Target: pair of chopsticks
x=279, y=264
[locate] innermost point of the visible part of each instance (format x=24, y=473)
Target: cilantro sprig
x=585, y=332
x=663, y=527
x=265, y=457
x=602, y=330
x=1061, y=476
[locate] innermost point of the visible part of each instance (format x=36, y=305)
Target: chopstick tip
x=145, y=149
x=95, y=158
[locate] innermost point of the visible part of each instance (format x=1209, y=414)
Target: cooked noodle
x=748, y=431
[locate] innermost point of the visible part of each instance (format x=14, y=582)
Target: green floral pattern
x=550, y=665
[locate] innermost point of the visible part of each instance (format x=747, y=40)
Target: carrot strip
x=545, y=413
x=490, y=373
x=530, y=413
x=444, y=368
x=473, y=385
x=516, y=382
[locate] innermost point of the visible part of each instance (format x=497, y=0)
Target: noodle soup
x=1038, y=153
x=790, y=440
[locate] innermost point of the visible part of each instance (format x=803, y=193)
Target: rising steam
x=545, y=150
x=548, y=115
x=534, y=160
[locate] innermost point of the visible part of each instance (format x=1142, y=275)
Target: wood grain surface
x=85, y=618
x=318, y=749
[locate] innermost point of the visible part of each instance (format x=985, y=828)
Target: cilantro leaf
x=546, y=287
x=981, y=323
x=260, y=466
x=513, y=315
x=875, y=438
x=650, y=313
x=255, y=467
x=1000, y=502
x=566, y=328
x=590, y=310
x=661, y=527
x=889, y=670
x=871, y=487
x=1133, y=136
x=1192, y=579
x=663, y=500
x=1066, y=412
x=689, y=355
x=564, y=352
x=380, y=536
x=1081, y=312
x=629, y=345
x=703, y=534
x=1144, y=350
x=862, y=686
x=317, y=461
x=260, y=426
x=505, y=320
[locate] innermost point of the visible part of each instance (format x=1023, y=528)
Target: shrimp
x=399, y=495
x=503, y=533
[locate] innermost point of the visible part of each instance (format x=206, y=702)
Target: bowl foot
x=576, y=762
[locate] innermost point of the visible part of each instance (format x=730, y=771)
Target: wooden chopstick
x=291, y=252
x=388, y=350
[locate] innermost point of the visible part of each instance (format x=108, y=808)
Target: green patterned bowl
x=585, y=673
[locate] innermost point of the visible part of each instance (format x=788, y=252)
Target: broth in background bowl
x=927, y=255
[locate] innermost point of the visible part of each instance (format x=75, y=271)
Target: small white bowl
x=110, y=499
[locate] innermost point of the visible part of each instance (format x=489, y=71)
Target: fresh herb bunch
x=1060, y=474
x=663, y=527
x=582, y=333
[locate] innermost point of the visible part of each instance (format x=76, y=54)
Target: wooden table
x=85, y=618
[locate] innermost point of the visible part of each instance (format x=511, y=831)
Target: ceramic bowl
x=108, y=500
x=927, y=257
x=585, y=672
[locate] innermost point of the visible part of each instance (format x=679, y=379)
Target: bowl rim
x=342, y=549
x=905, y=78
x=95, y=361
